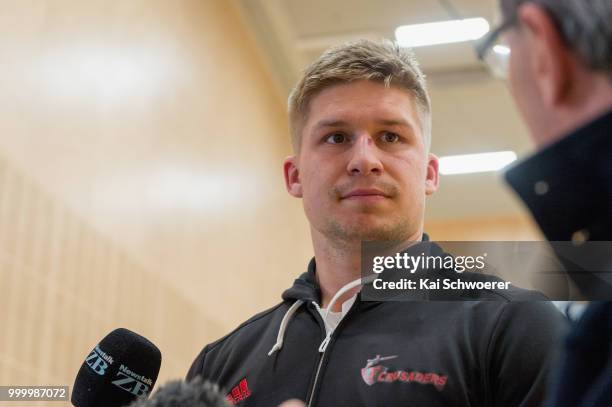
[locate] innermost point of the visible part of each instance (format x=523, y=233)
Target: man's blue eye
x=389, y=137
x=336, y=138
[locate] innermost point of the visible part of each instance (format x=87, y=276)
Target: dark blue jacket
x=568, y=189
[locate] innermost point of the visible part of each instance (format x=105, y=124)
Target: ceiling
x=294, y=32
x=472, y=112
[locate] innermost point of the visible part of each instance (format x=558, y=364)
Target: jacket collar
x=566, y=186
x=306, y=288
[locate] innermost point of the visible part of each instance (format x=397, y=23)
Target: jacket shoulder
x=198, y=364
x=514, y=293
x=526, y=338
x=245, y=324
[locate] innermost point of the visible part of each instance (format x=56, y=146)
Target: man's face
x=362, y=170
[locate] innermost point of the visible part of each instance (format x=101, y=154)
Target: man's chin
x=370, y=231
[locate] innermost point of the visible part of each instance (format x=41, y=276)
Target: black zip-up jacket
x=492, y=351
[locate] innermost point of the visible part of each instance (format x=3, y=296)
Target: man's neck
x=591, y=98
x=339, y=263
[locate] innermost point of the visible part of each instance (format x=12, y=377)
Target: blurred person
x=178, y=393
x=195, y=393
x=559, y=70
x=360, y=125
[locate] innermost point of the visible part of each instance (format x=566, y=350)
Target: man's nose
x=364, y=158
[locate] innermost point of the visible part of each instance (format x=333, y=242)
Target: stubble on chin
x=357, y=230
x=355, y=233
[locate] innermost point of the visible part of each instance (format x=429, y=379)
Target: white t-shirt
x=334, y=318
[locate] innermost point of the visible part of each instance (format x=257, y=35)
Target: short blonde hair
x=385, y=62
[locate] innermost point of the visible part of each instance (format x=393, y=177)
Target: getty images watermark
x=475, y=270
x=413, y=263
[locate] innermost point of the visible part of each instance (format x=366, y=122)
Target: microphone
x=178, y=393
x=119, y=369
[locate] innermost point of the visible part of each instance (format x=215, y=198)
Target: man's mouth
x=365, y=194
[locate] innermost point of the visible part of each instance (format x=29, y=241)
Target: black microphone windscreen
x=119, y=369
x=196, y=393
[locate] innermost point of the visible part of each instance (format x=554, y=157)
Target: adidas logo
x=238, y=393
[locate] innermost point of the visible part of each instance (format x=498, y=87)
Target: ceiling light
x=501, y=50
x=442, y=32
x=470, y=163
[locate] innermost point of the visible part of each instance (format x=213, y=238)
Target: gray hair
x=585, y=25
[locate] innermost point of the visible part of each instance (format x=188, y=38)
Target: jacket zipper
x=314, y=386
x=324, y=345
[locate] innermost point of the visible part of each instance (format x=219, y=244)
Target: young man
x=360, y=125
x=560, y=74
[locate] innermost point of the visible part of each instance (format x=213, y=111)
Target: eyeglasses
x=494, y=51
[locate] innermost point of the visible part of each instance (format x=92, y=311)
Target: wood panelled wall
x=62, y=284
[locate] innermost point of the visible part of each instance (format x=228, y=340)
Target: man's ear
x=432, y=181
x=292, y=176
x=550, y=59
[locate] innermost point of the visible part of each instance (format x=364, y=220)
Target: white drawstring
x=283, y=326
x=289, y=314
x=340, y=292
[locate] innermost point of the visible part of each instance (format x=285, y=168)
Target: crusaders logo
x=374, y=372
x=372, y=369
